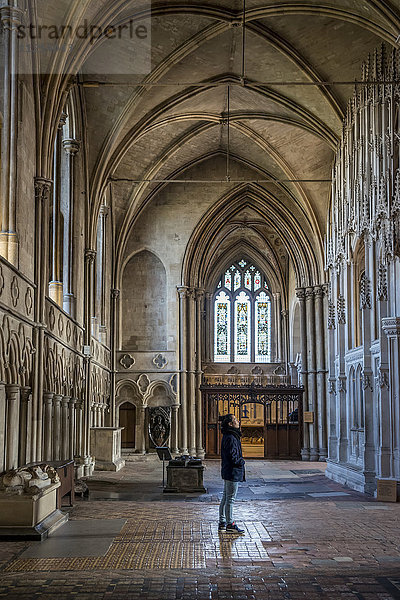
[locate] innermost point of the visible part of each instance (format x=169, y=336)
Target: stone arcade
x=181, y=225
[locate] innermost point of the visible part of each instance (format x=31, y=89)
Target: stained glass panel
x=247, y=280
x=222, y=329
x=242, y=263
x=228, y=280
x=242, y=328
x=262, y=328
x=236, y=281
x=257, y=281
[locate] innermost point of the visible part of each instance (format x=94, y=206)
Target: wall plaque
x=308, y=417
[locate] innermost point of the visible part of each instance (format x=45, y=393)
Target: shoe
x=221, y=526
x=233, y=528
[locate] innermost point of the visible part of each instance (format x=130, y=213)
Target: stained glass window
x=242, y=315
x=222, y=317
x=242, y=328
x=262, y=328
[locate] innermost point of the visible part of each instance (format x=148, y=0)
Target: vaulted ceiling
x=283, y=121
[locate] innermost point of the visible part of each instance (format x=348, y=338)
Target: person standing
x=232, y=471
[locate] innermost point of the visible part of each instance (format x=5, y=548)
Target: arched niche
x=144, y=303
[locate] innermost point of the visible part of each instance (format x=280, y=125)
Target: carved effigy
x=28, y=480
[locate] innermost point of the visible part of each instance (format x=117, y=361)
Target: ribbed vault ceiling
x=277, y=129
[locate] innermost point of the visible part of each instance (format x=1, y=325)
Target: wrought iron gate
x=273, y=416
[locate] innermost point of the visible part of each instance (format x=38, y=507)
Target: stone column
x=79, y=427
x=57, y=427
x=56, y=284
x=391, y=327
x=48, y=426
x=174, y=429
x=367, y=382
x=278, y=339
x=332, y=420
x=71, y=147
x=143, y=422
x=10, y=17
x=285, y=336
x=12, y=431
x=321, y=372
x=2, y=427
x=72, y=426
x=24, y=427
x=114, y=319
x=341, y=394
x=183, y=383
x=103, y=227
x=191, y=344
x=311, y=372
x=209, y=331
x=90, y=256
x=385, y=442
x=199, y=404
x=300, y=293
x=65, y=428
x=42, y=192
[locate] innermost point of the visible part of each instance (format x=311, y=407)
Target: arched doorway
x=127, y=420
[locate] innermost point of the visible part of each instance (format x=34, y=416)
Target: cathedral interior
x=213, y=193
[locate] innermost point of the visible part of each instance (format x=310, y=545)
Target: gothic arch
x=159, y=393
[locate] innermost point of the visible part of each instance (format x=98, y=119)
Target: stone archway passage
x=271, y=419
x=127, y=420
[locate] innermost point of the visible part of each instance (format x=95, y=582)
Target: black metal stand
x=164, y=454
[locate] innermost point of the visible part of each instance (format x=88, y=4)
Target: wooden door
x=127, y=420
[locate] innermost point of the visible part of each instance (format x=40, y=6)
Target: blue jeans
x=228, y=498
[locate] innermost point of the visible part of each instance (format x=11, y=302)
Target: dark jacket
x=232, y=461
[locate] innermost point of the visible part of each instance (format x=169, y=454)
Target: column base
x=9, y=247
x=314, y=455
x=305, y=454
x=56, y=292
x=69, y=304
x=183, y=451
x=200, y=453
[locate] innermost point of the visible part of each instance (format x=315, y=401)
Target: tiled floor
x=305, y=537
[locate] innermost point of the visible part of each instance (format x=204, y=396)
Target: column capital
x=10, y=17
x=115, y=294
x=25, y=393
x=57, y=398
x=71, y=146
x=301, y=293
x=90, y=255
x=309, y=292
x=183, y=291
x=319, y=291
x=42, y=188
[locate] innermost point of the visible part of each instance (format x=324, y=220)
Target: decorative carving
x=342, y=383
x=14, y=291
x=332, y=386
x=52, y=318
x=331, y=315
x=232, y=370
x=28, y=301
x=383, y=378
x=28, y=480
x=159, y=425
x=160, y=361
x=382, y=291
x=256, y=370
x=90, y=255
x=143, y=383
x=341, y=310
x=173, y=382
x=60, y=325
x=127, y=361
x=365, y=292
x=68, y=331
x=366, y=381
x=115, y=294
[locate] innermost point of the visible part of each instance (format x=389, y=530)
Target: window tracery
x=242, y=315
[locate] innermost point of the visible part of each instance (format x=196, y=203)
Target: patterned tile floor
x=300, y=541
